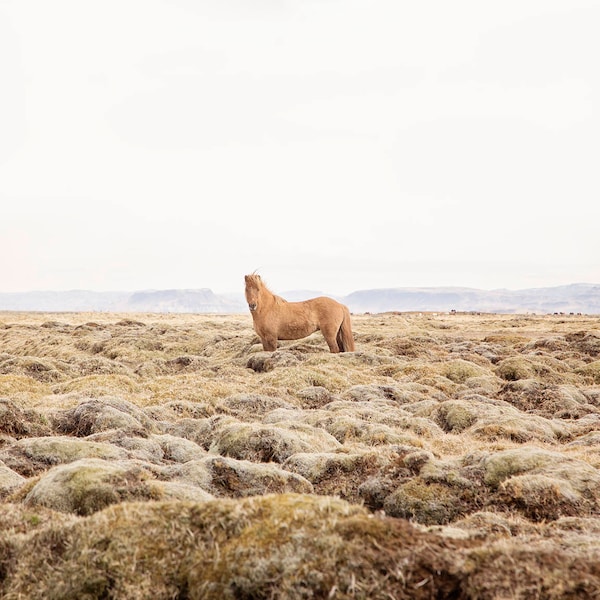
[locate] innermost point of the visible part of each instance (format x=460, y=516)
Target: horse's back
x=323, y=301
x=329, y=310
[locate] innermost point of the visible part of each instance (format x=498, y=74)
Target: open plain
x=168, y=456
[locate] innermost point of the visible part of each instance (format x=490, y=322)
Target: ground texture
x=164, y=456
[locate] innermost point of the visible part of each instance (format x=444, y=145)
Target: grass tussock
x=170, y=456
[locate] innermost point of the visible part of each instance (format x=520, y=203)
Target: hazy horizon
x=240, y=292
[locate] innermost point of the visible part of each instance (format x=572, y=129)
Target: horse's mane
x=256, y=280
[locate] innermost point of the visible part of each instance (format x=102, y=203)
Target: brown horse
x=277, y=319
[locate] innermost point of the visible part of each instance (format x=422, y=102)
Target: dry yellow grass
x=169, y=456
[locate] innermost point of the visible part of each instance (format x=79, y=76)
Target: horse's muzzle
x=252, y=306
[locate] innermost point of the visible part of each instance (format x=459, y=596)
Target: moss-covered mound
x=285, y=547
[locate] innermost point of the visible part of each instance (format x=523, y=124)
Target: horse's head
x=253, y=287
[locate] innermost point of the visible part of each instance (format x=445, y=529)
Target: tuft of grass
x=459, y=371
x=22, y=387
x=266, y=443
x=89, y=485
x=590, y=371
x=30, y=456
x=15, y=421
x=515, y=368
x=426, y=503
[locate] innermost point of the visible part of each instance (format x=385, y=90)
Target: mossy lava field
x=169, y=457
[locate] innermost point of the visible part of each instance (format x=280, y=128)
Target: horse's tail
x=345, y=339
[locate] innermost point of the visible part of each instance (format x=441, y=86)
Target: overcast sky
x=333, y=145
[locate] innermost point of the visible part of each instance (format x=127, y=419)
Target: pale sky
x=334, y=145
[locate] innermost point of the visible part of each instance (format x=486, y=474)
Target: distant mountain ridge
x=577, y=298
x=161, y=301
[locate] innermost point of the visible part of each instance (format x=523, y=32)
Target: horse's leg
x=269, y=343
x=340, y=340
x=330, y=335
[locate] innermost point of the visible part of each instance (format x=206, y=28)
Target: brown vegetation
x=449, y=456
